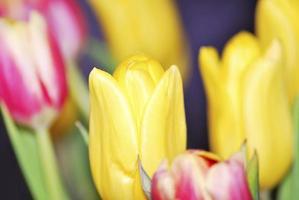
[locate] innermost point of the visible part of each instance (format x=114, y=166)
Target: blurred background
x=205, y=22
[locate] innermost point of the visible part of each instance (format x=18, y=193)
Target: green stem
x=98, y=51
x=265, y=195
x=48, y=162
x=78, y=89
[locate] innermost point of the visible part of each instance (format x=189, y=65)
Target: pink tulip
x=199, y=175
x=64, y=17
x=32, y=73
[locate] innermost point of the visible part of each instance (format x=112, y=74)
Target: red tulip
x=64, y=17
x=197, y=175
x=32, y=73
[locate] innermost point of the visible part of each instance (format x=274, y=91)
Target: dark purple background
x=206, y=22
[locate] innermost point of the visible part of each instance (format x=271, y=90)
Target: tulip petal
x=208, y=157
x=279, y=19
x=138, y=76
x=227, y=181
x=152, y=27
x=239, y=52
x=222, y=83
x=189, y=172
x=113, y=146
x=163, y=184
x=49, y=67
x=8, y=72
x=209, y=67
x=267, y=117
x=163, y=129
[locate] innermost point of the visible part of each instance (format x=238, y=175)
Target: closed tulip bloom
x=247, y=100
x=32, y=75
x=152, y=27
x=279, y=19
x=137, y=112
x=64, y=17
x=200, y=175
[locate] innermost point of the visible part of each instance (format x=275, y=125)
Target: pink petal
x=189, y=171
x=18, y=98
x=227, y=181
x=163, y=186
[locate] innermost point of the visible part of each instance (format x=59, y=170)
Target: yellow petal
x=223, y=83
x=279, y=19
x=152, y=27
x=113, y=147
x=267, y=117
x=138, y=76
x=209, y=68
x=240, y=51
x=163, y=129
x=209, y=64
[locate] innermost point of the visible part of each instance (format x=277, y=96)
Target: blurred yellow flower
x=279, y=19
x=152, y=27
x=137, y=112
x=247, y=100
x=66, y=119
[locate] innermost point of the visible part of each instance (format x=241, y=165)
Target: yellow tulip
x=137, y=112
x=149, y=26
x=279, y=19
x=247, y=100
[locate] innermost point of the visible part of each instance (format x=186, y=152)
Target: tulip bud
x=137, y=112
x=152, y=27
x=197, y=175
x=247, y=100
x=276, y=19
x=32, y=75
x=64, y=17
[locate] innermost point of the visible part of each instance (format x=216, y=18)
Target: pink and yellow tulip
x=64, y=17
x=200, y=175
x=32, y=74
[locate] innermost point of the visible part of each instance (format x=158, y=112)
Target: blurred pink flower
x=32, y=72
x=197, y=175
x=64, y=17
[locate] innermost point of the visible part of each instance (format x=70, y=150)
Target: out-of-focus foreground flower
x=32, y=74
x=247, y=100
x=137, y=112
x=201, y=175
x=279, y=19
x=64, y=17
x=152, y=27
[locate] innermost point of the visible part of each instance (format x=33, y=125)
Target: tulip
x=279, y=19
x=152, y=27
x=139, y=112
x=32, y=75
x=64, y=17
x=201, y=175
x=247, y=100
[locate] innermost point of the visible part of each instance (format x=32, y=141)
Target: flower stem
x=78, y=89
x=49, y=166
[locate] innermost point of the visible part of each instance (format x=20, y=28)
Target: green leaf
x=253, y=176
x=99, y=53
x=285, y=189
x=74, y=164
x=26, y=150
x=289, y=188
x=78, y=89
x=83, y=131
x=295, y=170
x=145, y=180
